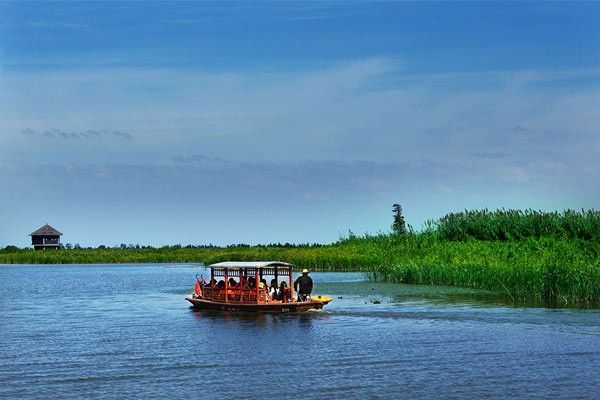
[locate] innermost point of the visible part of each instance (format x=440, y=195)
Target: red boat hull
x=201, y=304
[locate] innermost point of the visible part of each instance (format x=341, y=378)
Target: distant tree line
x=123, y=246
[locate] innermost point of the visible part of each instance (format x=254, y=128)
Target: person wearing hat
x=303, y=285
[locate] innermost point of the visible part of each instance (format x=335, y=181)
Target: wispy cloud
x=199, y=159
x=511, y=173
x=56, y=25
x=65, y=135
x=489, y=155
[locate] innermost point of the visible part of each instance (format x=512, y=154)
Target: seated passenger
x=263, y=289
x=244, y=281
x=281, y=295
x=274, y=290
x=232, y=283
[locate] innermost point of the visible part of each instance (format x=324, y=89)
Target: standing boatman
x=303, y=285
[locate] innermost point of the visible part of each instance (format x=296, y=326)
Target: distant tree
x=399, y=225
x=68, y=246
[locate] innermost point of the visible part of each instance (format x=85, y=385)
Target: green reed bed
x=550, y=269
x=517, y=224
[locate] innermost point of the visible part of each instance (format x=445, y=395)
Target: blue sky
x=262, y=122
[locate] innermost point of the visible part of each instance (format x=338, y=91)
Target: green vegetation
x=550, y=268
x=526, y=254
x=517, y=224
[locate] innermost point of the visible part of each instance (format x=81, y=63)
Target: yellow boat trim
x=321, y=299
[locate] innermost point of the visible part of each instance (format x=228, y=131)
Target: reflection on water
x=126, y=332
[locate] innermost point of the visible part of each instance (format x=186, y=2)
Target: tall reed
x=516, y=224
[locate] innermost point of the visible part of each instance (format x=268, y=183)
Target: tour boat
x=239, y=286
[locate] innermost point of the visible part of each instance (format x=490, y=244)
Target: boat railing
x=235, y=295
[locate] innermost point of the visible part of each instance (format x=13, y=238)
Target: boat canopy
x=250, y=264
x=250, y=268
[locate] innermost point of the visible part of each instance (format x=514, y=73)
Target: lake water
x=125, y=331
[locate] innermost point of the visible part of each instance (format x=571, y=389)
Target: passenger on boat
x=251, y=282
x=232, y=283
x=244, y=281
x=281, y=295
x=274, y=290
x=303, y=285
x=220, y=285
x=198, y=287
x=263, y=288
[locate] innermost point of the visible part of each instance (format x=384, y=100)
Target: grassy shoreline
x=548, y=268
x=553, y=257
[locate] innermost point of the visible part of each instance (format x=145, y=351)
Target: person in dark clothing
x=303, y=285
x=282, y=293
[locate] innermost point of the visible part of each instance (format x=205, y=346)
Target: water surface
x=125, y=331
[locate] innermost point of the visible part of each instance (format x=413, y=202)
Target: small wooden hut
x=45, y=238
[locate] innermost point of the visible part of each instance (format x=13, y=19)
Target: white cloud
x=549, y=166
x=512, y=173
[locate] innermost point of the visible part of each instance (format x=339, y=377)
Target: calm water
x=125, y=331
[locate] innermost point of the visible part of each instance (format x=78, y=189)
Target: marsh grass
x=517, y=225
x=550, y=269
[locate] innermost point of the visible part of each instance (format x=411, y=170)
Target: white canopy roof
x=250, y=264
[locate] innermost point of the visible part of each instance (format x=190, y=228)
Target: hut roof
x=46, y=230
